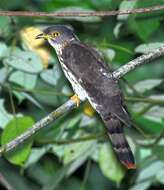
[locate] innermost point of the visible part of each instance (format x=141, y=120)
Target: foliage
x=32, y=84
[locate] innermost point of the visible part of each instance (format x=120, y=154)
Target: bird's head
x=58, y=35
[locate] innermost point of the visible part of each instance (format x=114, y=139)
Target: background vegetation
x=32, y=85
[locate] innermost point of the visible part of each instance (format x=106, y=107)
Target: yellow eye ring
x=55, y=34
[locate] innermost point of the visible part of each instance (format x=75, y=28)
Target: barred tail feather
x=115, y=132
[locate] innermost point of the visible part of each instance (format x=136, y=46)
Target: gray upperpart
x=66, y=34
x=65, y=29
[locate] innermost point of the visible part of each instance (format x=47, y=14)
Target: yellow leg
x=75, y=99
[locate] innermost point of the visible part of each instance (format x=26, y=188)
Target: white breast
x=75, y=84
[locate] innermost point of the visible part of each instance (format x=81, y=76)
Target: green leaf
x=150, y=123
x=150, y=171
x=82, y=157
x=102, y=3
x=124, y=52
x=26, y=61
x=143, y=185
x=19, y=95
x=32, y=100
x=5, y=26
x=74, y=183
x=77, y=150
x=79, y=9
x=5, y=5
x=5, y=117
x=145, y=24
x=3, y=49
x=13, y=177
x=14, y=128
x=156, y=113
x=146, y=71
x=26, y=80
x=105, y=4
x=158, y=151
x=56, y=179
x=51, y=76
x=126, y=5
x=109, y=54
x=43, y=170
x=146, y=85
x=145, y=48
x=4, y=72
x=160, y=177
x=109, y=164
x=145, y=152
x=35, y=155
x=147, y=175
x=117, y=29
x=54, y=98
x=144, y=31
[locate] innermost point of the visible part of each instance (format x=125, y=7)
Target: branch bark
x=83, y=13
x=145, y=58
x=69, y=105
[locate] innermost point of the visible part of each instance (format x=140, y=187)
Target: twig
x=156, y=141
x=144, y=110
x=132, y=88
x=146, y=58
x=7, y=86
x=145, y=100
x=4, y=182
x=86, y=174
x=40, y=91
x=38, y=125
x=70, y=141
x=82, y=13
x=69, y=105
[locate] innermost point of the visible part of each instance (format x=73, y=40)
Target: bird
x=91, y=79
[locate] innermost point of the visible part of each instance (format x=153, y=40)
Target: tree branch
x=82, y=13
x=146, y=58
x=4, y=182
x=69, y=105
x=70, y=141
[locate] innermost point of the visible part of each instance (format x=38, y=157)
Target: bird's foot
x=76, y=99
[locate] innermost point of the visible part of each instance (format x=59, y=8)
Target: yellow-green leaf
x=14, y=128
x=109, y=164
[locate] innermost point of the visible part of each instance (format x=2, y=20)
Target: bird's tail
x=115, y=132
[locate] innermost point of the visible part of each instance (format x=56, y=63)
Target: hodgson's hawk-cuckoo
x=91, y=79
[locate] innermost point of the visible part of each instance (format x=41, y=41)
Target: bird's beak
x=42, y=36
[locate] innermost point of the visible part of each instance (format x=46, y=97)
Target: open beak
x=42, y=36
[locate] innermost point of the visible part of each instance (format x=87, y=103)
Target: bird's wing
x=92, y=74
x=98, y=57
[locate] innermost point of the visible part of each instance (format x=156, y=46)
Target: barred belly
x=75, y=84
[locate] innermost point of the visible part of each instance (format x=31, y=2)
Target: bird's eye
x=55, y=34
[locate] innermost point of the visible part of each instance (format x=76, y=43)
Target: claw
x=76, y=99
